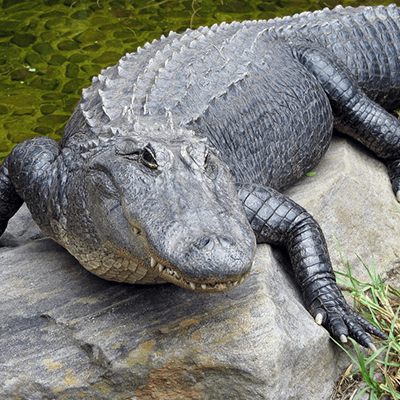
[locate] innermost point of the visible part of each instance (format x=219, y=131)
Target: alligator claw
x=343, y=338
x=319, y=318
x=396, y=188
x=372, y=347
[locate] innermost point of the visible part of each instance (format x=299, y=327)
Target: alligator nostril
x=227, y=241
x=205, y=243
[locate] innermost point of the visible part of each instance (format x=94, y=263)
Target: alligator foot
x=276, y=219
x=329, y=309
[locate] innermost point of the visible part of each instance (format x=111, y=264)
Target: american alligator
x=170, y=166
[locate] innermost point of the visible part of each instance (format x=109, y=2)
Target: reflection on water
x=49, y=50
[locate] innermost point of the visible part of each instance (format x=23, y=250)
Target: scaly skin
x=164, y=149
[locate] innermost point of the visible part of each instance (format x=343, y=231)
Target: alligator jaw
x=171, y=275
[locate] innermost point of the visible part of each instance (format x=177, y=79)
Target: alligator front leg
x=276, y=219
x=355, y=113
x=30, y=173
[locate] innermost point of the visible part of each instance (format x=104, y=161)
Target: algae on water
x=50, y=49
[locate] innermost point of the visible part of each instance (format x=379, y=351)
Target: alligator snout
x=210, y=263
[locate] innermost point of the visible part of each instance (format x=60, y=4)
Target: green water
x=49, y=50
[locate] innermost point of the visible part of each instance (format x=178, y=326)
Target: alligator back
x=365, y=39
x=240, y=86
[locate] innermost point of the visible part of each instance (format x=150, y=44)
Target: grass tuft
x=380, y=305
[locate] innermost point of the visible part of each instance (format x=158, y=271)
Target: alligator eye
x=148, y=158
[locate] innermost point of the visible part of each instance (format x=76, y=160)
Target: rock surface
x=66, y=334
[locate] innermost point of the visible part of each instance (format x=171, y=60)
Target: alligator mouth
x=170, y=275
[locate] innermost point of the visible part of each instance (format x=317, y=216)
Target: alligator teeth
x=161, y=268
x=204, y=286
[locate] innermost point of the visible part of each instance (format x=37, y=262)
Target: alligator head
x=171, y=206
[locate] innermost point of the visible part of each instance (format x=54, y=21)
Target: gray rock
x=20, y=231
x=66, y=334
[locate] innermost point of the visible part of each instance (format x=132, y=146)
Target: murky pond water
x=49, y=50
